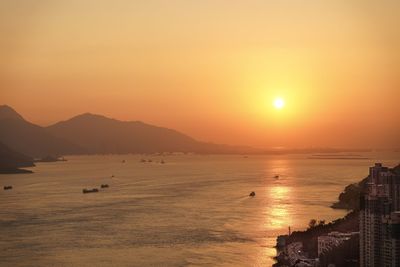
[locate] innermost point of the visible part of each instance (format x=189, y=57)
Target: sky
x=211, y=69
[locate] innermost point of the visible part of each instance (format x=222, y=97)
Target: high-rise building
x=391, y=240
x=380, y=218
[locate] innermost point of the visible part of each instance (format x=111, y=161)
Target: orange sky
x=210, y=69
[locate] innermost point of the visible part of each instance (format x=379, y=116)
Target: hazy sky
x=210, y=69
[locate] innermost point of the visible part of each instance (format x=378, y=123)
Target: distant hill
x=99, y=134
x=30, y=139
x=11, y=161
x=96, y=134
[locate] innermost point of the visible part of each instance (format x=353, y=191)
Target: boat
x=7, y=187
x=104, y=186
x=93, y=190
x=252, y=194
x=276, y=176
x=162, y=161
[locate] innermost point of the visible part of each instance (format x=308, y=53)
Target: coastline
x=15, y=171
x=302, y=246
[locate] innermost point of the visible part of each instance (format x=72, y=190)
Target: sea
x=191, y=210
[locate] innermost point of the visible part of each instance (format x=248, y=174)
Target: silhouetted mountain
x=30, y=139
x=11, y=161
x=98, y=134
x=6, y=112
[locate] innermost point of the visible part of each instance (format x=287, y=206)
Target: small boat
x=123, y=161
x=149, y=160
x=252, y=194
x=94, y=190
x=162, y=161
x=7, y=187
x=143, y=160
x=104, y=186
x=276, y=176
x=112, y=176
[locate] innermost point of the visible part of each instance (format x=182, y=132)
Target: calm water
x=192, y=211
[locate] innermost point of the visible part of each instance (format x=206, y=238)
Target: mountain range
x=30, y=139
x=96, y=134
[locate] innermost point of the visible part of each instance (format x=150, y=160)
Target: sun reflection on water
x=278, y=216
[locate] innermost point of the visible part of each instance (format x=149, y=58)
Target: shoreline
x=15, y=171
x=302, y=246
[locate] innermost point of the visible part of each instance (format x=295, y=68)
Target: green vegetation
x=349, y=199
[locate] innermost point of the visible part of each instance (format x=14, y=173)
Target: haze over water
x=193, y=210
x=210, y=69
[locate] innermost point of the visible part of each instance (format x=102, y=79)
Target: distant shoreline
x=15, y=171
x=351, y=158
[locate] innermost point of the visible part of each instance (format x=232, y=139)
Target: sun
x=279, y=103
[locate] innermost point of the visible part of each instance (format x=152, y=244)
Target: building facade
x=332, y=240
x=380, y=218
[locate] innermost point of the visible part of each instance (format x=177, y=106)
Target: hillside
x=30, y=139
x=99, y=134
x=11, y=161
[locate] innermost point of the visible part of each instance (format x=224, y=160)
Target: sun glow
x=279, y=103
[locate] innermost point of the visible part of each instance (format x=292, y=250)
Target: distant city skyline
x=212, y=70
